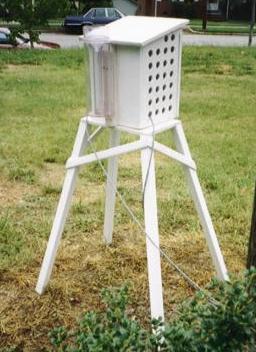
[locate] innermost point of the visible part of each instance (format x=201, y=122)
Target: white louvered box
x=135, y=70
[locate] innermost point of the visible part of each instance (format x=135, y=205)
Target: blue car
x=95, y=16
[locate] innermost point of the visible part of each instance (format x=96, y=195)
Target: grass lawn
x=213, y=27
x=41, y=101
x=233, y=27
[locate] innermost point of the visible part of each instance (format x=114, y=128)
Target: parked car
x=20, y=42
x=95, y=16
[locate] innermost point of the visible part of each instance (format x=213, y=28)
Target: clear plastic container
x=101, y=74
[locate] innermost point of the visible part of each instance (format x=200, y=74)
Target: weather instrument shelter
x=134, y=87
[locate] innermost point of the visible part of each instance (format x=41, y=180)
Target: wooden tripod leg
x=114, y=140
x=62, y=211
x=198, y=197
x=151, y=227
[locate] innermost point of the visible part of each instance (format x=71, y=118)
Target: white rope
x=185, y=276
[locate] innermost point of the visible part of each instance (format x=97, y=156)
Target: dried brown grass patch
x=82, y=269
x=12, y=193
x=52, y=173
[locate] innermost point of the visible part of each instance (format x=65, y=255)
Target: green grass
x=53, y=25
x=225, y=27
x=42, y=99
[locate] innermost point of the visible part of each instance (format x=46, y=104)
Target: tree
x=86, y=5
x=227, y=10
x=204, y=14
x=252, y=22
x=251, y=258
x=33, y=13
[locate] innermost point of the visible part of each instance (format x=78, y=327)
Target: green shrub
x=110, y=331
x=228, y=324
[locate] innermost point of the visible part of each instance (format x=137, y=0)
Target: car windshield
x=4, y=38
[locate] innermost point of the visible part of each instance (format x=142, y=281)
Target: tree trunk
x=227, y=10
x=252, y=22
x=31, y=39
x=251, y=258
x=204, y=14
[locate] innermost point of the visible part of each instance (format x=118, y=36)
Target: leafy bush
x=226, y=323
x=110, y=331
x=186, y=9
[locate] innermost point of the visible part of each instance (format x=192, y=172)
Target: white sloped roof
x=138, y=30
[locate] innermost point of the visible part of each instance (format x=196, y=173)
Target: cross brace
x=144, y=144
x=128, y=148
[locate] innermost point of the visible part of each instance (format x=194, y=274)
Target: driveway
x=71, y=41
x=126, y=6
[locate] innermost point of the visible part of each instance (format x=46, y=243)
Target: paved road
x=216, y=40
x=125, y=6
x=69, y=41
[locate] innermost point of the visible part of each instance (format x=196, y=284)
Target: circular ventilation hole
x=165, y=50
x=172, y=49
x=170, y=96
x=170, y=85
x=150, y=90
x=173, y=37
x=150, y=78
x=164, y=74
x=157, y=64
x=171, y=61
x=170, y=108
x=150, y=102
x=150, y=53
x=157, y=111
x=157, y=76
x=166, y=38
x=163, y=110
x=163, y=98
x=171, y=73
x=157, y=100
x=150, y=65
x=164, y=86
x=157, y=89
x=150, y=114
x=165, y=63
x=157, y=51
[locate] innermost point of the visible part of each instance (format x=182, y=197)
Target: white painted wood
x=142, y=66
x=147, y=131
x=114, y=140
x=105, y=154
x=95, y=133
x=151, y=228
x=62, y=211
x=138, y=30
x=178, y=76
x=174, y=155
x=198, y=197
x=148, y=77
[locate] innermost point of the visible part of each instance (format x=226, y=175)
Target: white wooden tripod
x=182, y=155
